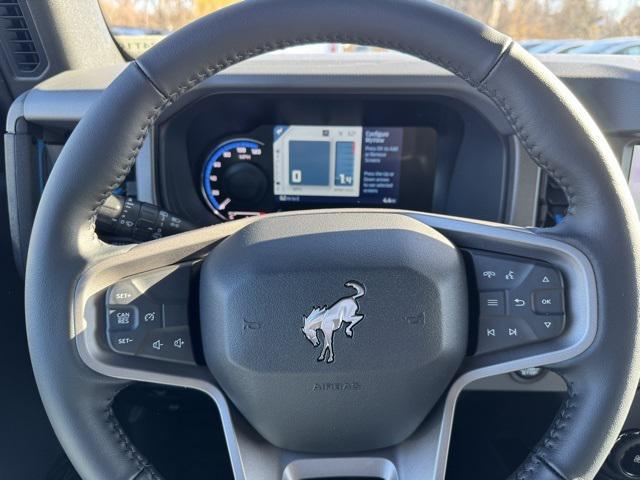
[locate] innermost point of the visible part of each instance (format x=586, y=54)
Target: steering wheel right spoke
x=531, y=297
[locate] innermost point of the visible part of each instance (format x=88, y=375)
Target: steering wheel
x=398, y=345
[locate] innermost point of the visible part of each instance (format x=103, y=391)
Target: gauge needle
x=234, y=215
x=224, y=204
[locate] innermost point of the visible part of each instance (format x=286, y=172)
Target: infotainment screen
x=346, y=164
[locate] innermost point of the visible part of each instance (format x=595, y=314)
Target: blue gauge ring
x=208, y=168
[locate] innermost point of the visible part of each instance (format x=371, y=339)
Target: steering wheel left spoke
x=134, y=312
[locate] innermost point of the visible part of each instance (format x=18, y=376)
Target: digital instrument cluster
x=285, y=167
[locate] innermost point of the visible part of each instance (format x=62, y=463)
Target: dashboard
x=286, y=132
x=253, y=153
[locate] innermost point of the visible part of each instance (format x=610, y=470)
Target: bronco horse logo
x=330, y=319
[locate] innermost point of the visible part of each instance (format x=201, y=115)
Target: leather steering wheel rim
x=551, y=124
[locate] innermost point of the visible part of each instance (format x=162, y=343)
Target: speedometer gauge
x=233, y=179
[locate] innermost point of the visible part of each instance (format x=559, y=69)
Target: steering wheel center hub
x=347, y=325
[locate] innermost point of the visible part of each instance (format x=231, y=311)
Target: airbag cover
x=390, y=293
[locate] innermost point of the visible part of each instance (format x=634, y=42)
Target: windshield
x=542, y=26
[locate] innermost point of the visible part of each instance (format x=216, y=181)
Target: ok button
x=548, y=301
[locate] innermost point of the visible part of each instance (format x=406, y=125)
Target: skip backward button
x=170, y=344
x=501, y=333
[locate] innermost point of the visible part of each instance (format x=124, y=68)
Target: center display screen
x=346, y=164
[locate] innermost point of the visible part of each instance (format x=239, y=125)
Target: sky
x=620, y=6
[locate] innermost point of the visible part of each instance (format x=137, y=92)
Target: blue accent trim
x=208, y=167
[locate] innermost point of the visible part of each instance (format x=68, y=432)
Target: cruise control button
x=492, y=303
x=150, y=315
x=548, y=302
x=125, y=342
x=122, y=319
x=122, y=293
x=171, y=344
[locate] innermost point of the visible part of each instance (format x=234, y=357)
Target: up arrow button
x=545, y=277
